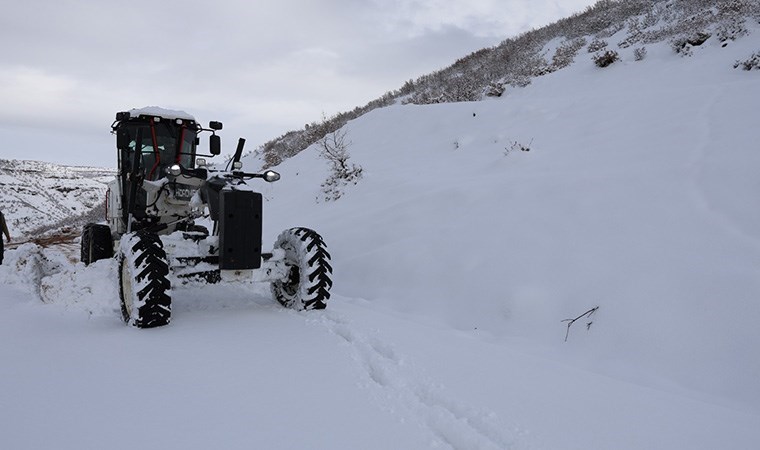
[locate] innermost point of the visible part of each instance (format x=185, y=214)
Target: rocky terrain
x=37, y=197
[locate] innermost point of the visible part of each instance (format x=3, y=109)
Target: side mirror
x=215, y=144
x=215, y=125
x=122, y=138
x=271, y=175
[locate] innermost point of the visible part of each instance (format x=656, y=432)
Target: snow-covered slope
x=457, y=257
x=36, y=194
x=636, y=195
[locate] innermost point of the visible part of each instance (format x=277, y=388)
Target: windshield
x=163, y=144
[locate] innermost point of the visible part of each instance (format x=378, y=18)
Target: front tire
x=97, y=243
x=309, y=283
x=144, y=286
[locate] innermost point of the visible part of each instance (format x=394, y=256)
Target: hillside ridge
x=39, y=196
x=516, y=62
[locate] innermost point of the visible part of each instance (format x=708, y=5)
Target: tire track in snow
x=413, y=397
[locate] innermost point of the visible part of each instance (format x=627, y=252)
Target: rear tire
x=97, y=243
x=144, y=286
x=309, y=283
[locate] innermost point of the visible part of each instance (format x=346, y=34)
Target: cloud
x=25, y=90
x=483, y=18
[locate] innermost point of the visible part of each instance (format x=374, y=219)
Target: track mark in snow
x=415, y=398
x=711, y=206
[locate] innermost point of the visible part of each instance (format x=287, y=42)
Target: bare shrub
x=333, y=148
x=607, y=58
x=640, y=53
x=495, y=89
x=751, y=63
x=731, y=30
x=565, y=53
x=515, y=146
x=635, y=33
x=597, y=45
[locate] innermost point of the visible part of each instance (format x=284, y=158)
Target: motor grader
x=157, y=205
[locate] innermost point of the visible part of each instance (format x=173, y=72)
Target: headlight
x=271, y=175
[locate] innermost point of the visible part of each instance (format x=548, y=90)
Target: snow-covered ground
x=37, y=193
x=456, y=262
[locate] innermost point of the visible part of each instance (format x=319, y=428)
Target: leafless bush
x=495, y=89
x=515, y=146
x=597, y=45
x=606, y=58
x=731, y=30
x=640, y=53
x=333, y=148
x=751, y=63
x=565, y=53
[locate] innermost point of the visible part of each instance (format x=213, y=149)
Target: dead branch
x=587, y=314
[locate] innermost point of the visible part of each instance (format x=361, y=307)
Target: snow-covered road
x=236, y=370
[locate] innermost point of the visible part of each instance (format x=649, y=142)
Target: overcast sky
x=261, y=67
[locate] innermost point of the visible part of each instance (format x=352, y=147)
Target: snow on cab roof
x=161, y=112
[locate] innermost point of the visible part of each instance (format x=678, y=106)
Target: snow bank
x=53, y=276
